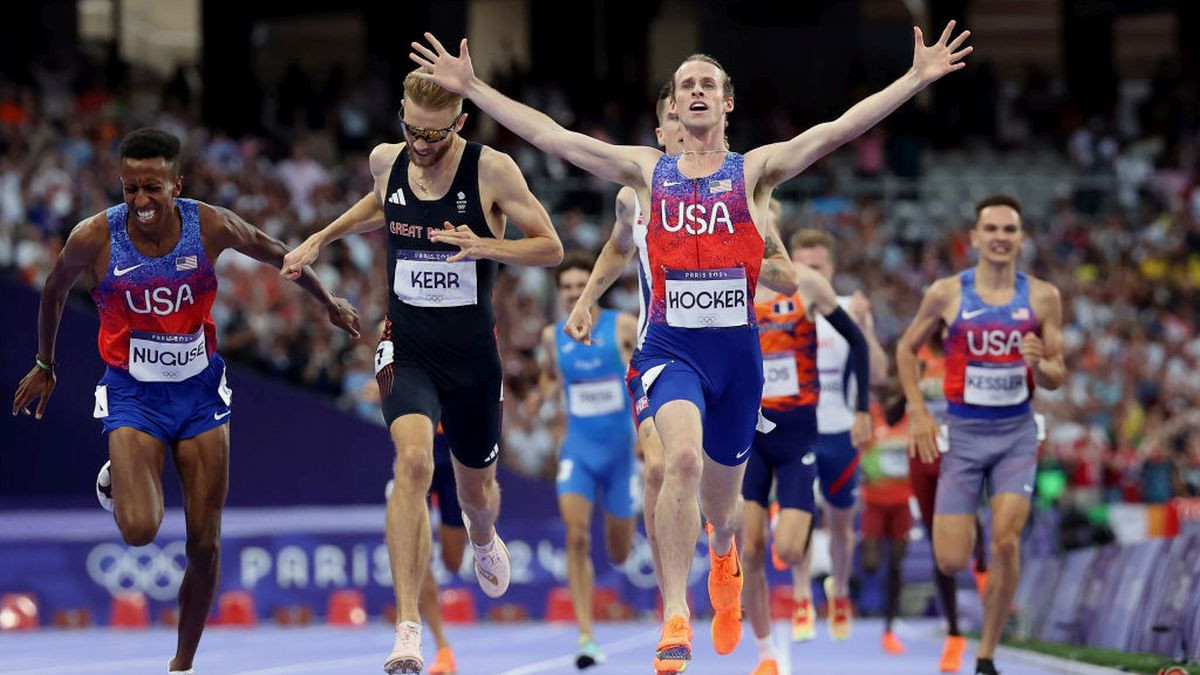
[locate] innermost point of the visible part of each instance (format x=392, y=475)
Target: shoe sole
x=404, y=666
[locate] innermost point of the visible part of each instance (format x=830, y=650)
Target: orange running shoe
x=766, y=667
x=443, y=663
x=724, y=576
x=803, y=621
x=674, y=647
x=892, y=644
x=840, y=614
x=952, y=654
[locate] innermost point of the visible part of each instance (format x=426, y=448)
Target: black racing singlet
x=441, y=312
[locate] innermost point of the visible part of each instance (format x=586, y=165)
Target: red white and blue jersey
x=155, y=313
x=789, y=347
x=701, y=253
x=986, y=375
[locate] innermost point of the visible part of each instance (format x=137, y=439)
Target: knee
x=950, y=563
x=754, y=553
x=138, y=529
x=414, y=467
x=203, y=553
x=683, y=464
x=477, y=495
x=579, y=540
x=791, y=550
x=1006, y=546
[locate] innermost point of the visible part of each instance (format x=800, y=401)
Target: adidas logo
x=397, y=197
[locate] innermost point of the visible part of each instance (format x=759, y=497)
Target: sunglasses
x=427, y=135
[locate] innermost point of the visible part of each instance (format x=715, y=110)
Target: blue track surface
x=512, y=649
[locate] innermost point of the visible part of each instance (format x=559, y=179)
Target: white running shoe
x=104, y=489
x=493, y=570
x=189, y=671
x=406, y=651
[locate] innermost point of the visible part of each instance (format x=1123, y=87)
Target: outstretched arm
x=779, y=162
x=229, y=230
x=616, y=163
x=364, y=216
x=86, y=242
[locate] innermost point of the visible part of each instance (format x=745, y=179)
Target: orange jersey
x=789, y=347
x=885, y=463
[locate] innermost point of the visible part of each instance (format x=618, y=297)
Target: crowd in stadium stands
x=1126, y=257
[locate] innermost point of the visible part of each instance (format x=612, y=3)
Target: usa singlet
x=164, y=376
x=986, y=375
x=702, y=255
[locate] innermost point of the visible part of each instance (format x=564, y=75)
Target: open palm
x=452, y=73
x=944, y=56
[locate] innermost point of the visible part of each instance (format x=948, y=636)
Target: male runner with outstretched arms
x=438, y=359
x=704, y=249
x=777, y=273
x=835, y=451
x=783, y=450
x=1003, y=337
x=151, y=263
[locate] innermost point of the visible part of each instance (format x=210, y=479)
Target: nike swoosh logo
x=973, y=313
x=742, y=453
x=221, y=416
x=671, y=183
x=117, y=271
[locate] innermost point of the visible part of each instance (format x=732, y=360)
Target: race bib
x=995, y=385
x=166, y=357
x=894, y=464
x=707, y=298
x=595, y=398
x=425, y=279
x=780, y=377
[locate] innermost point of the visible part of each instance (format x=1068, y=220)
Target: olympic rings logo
x=155, y=571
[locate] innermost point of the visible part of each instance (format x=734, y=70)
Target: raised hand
x=38, y=383
x=297, y=259
x=452, y=73
x=944, y=56
x=343, y=315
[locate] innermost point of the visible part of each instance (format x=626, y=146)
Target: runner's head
x=998, y=232
x=669, y=131
x=815, y=249
x=572, y=275
x=702, y=92
x=430, y=116
x=150, y=177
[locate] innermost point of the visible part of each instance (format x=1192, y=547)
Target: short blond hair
x=427, y=94
x=811, y=238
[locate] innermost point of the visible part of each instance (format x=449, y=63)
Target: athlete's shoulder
x=383, y=156
x=944, y=289
x=91, y=232
x=1041, y=291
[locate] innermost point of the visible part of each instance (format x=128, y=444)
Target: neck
x=707, y=139
x=995, y=276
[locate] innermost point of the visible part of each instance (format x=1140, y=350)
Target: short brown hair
x=726, y=80
x=663, y=103
x=575, y=260
x=427, y=94
x=811, y=238
x=998, y=200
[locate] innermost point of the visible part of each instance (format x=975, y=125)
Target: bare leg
x=577, y=514
x=203, y=464
x=654, y=467
x=754, y=560
x=1009, y=512
x=676, y=514
x=841, y=547
x=408, y=532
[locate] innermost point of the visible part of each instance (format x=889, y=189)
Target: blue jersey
x=593, y=379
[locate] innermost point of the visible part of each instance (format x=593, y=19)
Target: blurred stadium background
x=1087, y=110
